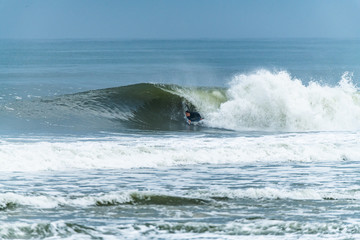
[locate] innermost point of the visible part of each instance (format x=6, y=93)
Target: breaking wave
x=15, y=200
x=261, y=101
x=275, y=101
x=214, y=197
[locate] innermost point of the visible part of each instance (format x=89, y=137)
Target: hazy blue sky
x=179, y=19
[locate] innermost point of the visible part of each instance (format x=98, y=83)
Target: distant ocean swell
x=260, y=101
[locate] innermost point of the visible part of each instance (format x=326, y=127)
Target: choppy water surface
x=280, y=201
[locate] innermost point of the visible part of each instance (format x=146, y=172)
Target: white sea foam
x=277, y=193
x=53, y=201
x=259, y=229
x=135, y=152
x=48, y=230
x=266, y=100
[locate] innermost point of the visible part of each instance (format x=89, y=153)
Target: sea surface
x=94, y=142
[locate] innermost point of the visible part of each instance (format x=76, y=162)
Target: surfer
x=193, y=116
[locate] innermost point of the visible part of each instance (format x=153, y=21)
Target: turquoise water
x=94, y=143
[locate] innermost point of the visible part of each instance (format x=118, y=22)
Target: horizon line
x=177, y=39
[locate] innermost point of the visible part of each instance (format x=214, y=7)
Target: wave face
x=140, y=106
x=261, y=101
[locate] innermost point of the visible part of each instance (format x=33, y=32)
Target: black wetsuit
x=194, y=116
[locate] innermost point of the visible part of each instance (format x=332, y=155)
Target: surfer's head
x=187, y=113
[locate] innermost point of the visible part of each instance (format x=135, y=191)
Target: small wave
x=10, y=200
x=160, y=199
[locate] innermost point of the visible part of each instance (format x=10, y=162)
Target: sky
x=180, y=19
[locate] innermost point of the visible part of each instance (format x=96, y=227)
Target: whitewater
x=95, y=146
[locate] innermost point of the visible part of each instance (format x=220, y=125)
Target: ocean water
x=94, y=142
